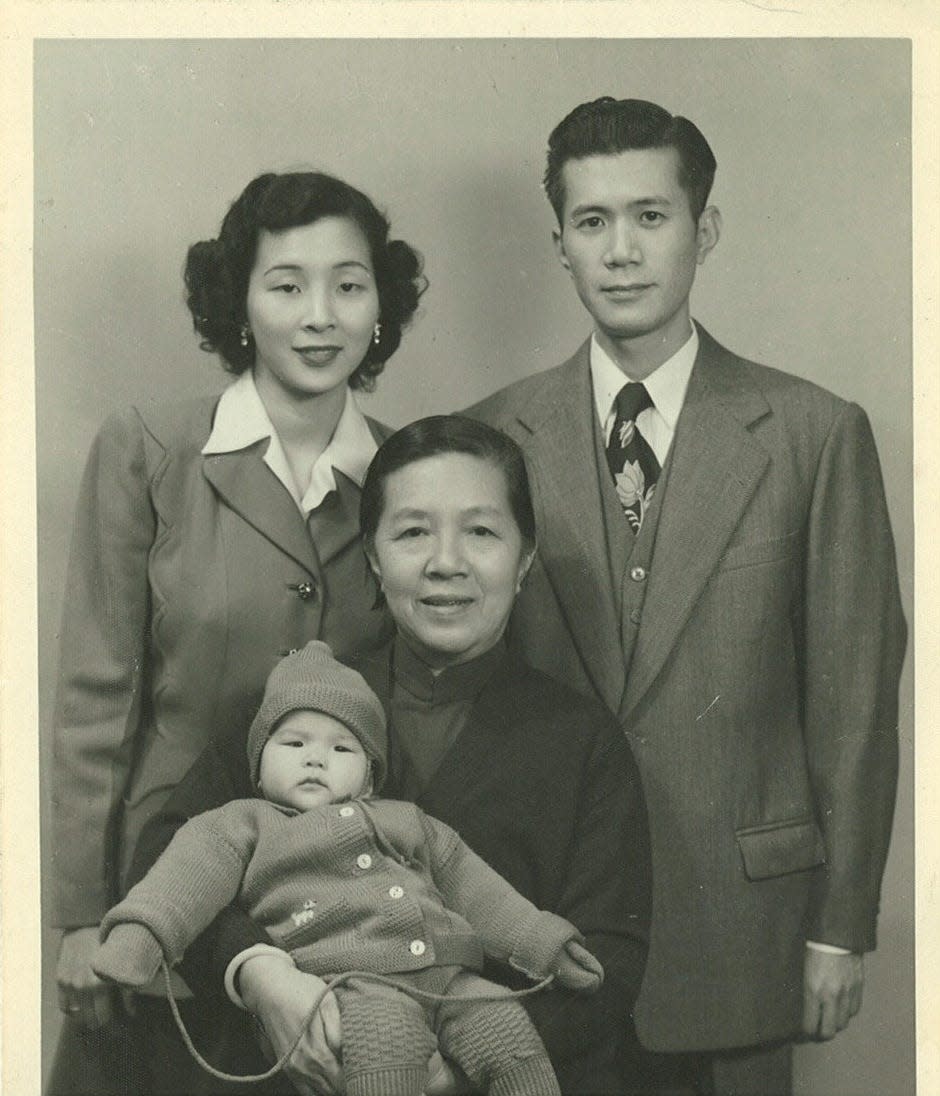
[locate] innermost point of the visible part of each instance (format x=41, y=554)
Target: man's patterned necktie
x=632, y=462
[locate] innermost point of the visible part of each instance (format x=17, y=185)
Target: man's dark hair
x=608, y=126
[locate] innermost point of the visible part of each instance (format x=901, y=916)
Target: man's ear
x=708, y=232
x=560, y=249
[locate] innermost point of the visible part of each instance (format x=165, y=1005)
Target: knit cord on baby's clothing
x=331, y=984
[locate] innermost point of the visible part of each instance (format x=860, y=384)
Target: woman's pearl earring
x=243, y=335
x=377, y=334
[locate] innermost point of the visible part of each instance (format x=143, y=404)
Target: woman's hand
x=83, y=996
x=281, y=997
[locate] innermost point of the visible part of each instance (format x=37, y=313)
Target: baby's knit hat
x=312, y=679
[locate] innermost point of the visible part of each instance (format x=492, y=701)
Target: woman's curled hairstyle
x=217, y=271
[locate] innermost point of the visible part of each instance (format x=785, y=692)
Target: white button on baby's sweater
x=347, y=812
x=364, y=860
x=417, y=947
x=395, y=892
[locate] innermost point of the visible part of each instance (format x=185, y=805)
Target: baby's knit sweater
x=369, y=884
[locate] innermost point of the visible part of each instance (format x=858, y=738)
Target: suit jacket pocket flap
x=765, y=551
x=781, y=847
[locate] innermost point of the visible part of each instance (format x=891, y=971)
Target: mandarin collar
x=461, y=682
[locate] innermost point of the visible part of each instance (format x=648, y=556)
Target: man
x=716, y=564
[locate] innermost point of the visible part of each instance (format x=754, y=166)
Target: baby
x=346, y=882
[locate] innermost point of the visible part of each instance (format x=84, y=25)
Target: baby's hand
x=577, y=969
x=130, y=956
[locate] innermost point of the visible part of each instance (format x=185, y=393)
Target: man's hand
x=281, y=997
x=832, y=991
x=83, y=996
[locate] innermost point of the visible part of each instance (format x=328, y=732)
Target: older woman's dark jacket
x=542, y=785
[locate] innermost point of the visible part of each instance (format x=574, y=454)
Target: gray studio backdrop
x=141, y=145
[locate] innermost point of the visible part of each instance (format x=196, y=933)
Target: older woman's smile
x=449, y=555
x=446, y=601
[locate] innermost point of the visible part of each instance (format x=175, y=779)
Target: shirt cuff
x=231, y=971
x=830, y=949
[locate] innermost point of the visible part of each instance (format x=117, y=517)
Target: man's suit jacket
x=190, y=577
x=760, y=697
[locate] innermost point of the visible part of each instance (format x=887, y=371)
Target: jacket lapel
x=334, y=525
x=252, y=490
x=716, y=465
x=559, y=440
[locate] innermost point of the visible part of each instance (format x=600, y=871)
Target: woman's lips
x=446, y=603
x=317, y=355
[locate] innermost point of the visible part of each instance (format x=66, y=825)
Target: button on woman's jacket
x=190, y=576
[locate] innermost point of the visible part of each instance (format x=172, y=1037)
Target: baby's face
x=312, y=759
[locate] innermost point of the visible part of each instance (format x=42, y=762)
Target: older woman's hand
x=281, y=997
x=83, y=996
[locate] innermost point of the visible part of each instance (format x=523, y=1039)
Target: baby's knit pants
x=387, y=1037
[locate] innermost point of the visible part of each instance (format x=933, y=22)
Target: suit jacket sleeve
x=608, y=895
x=102, y=655
x=854, y=640
x=218, y=776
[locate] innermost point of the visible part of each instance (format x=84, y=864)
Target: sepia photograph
x=474, y=617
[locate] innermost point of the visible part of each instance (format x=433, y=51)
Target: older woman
x=213, y=536
x=536, y=779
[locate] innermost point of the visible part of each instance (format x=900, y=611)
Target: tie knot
x=631, y=400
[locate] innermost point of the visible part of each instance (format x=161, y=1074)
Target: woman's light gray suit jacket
x=190, y=576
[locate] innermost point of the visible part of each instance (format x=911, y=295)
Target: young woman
x=212, y=537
